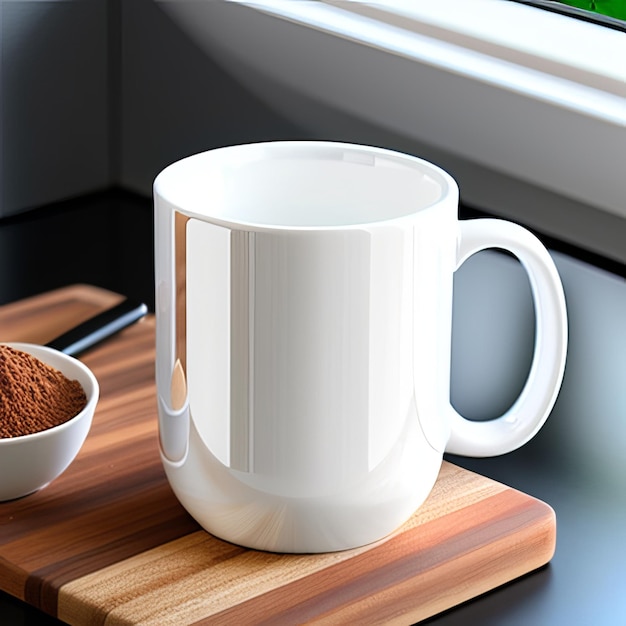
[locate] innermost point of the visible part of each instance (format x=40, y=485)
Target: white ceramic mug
x=303, y=307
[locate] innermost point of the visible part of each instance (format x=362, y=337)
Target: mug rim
x=169, y=184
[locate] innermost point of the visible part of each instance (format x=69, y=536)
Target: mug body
x=304, y=298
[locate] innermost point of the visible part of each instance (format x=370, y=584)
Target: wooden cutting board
x=108, y=543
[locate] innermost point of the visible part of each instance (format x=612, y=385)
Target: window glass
x=612, y=8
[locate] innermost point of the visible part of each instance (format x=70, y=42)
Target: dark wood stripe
x=405, y=557
x=160, y=524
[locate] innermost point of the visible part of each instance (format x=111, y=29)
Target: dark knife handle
x=99, y=327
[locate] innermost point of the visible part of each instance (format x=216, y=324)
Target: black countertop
x=575, y=463
x=104, y=239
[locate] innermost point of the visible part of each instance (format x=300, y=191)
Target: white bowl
x=30, y=462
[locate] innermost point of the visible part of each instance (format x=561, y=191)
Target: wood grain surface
x=108, y=543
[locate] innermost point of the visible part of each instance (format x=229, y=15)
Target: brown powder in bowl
x=33, y=395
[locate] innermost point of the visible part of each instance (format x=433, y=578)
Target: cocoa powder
x=33, y=395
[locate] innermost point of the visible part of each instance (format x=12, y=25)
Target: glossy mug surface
x=303, y=306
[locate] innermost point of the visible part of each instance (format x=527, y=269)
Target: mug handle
x=531, y=409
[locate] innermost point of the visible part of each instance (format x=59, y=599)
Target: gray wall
x=54, y=113
x=98, y=93
x=176, y=101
